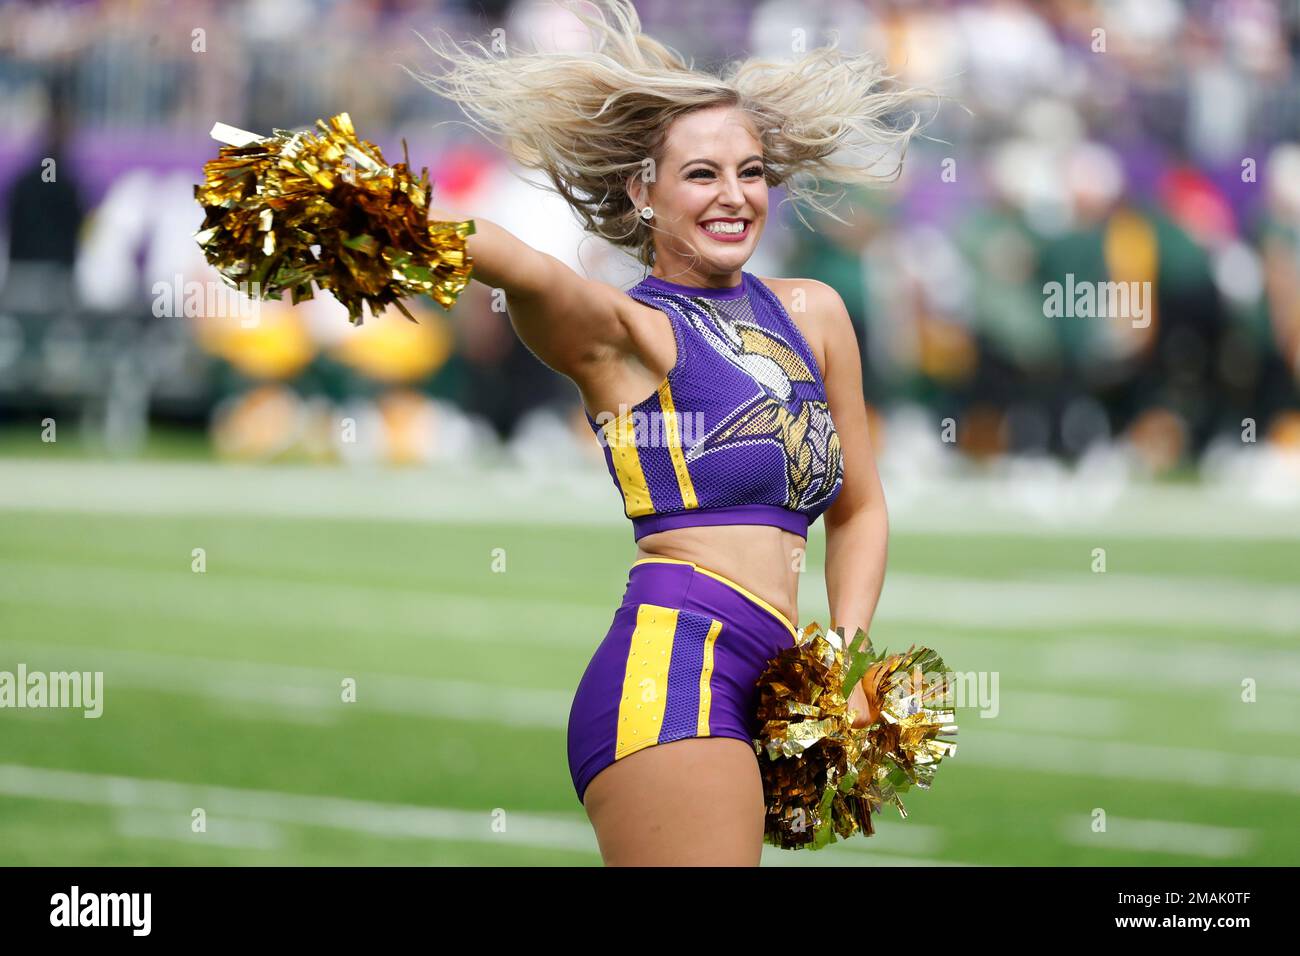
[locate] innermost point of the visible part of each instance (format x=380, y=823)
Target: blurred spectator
x=1103, y=141
x=45, y=212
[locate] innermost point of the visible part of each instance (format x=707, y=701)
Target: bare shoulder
x=650, y=336
x=646, y=352
x=817, y=309
x=634, y=312
x=819, y=298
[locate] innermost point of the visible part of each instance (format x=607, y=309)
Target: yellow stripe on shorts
x=706, y=672
x=645, y=679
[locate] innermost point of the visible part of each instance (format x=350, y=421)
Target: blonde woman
x=729, y=406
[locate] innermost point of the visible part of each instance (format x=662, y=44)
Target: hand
x=864, y=715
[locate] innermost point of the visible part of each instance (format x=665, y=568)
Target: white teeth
x=728, y=227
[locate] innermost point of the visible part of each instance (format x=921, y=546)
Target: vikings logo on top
x=776, y=414
x=749, y=388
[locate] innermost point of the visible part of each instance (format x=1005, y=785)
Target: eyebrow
x=709, y=162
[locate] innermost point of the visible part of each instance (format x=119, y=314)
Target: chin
x=732, y=262
x=727, y=257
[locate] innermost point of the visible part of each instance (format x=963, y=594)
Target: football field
x=310, y=666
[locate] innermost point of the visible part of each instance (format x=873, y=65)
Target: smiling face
x=709, y=199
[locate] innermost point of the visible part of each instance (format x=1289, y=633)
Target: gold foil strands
x=289, y=210
x=823, y=779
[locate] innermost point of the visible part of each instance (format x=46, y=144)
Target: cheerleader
x=729, y=406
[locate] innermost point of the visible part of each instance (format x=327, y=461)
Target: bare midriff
x=760, y=558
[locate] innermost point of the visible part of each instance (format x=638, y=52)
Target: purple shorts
x=682, y=659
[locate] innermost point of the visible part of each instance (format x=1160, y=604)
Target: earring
x=646, y=213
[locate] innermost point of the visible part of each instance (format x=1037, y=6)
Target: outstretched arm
x=569, y=322
x=857, y=525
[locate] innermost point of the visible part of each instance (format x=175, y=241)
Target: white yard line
x=280, y=687
x=390, y=820
x=137, y=823
x=1159, y=836
x=1118, y=760
x=249, y=815
x=1221, y=667
x=983, y=742
x=1088, y=599
x=275, y=602
x=1071, y=714
x=907, y=598
x=582, y=496
x=291, y=688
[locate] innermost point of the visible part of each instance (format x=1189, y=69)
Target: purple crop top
x=739, y=431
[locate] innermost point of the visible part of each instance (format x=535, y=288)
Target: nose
x=731, y=194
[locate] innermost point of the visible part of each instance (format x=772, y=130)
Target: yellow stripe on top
x=620, y=437
x=706, y=672
x=731, y=584
x=645, y=679
x=673, y=435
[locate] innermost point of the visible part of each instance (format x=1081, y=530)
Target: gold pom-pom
x=823, y=778
x=286, y=210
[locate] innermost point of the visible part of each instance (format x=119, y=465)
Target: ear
x=638, y=191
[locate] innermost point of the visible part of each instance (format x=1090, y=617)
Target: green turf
x=162, y=443
x=311, y=602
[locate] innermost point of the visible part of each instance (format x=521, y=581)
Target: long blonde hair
x=590, y=119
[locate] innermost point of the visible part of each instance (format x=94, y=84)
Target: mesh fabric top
x=739, y=431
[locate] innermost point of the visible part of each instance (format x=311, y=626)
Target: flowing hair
x=591, y=119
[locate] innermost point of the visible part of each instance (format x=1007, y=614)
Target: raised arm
x=570, y=323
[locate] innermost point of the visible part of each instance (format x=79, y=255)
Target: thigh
x=691, y=802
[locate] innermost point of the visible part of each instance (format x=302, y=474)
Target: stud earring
x=646, y=213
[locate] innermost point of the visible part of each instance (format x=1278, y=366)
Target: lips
x=727, y=236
